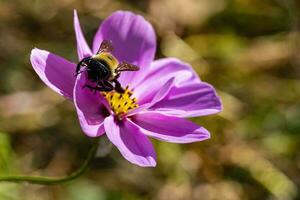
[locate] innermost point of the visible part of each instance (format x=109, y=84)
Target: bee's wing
x=125, y=66
x=106, y=46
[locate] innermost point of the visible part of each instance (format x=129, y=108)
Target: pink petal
x=170, y=128
x=56, y=72
x=133, y=40
x=133, y=145
x=162, y=92
x=179, y=89
x=159, y=73
x=90, y=108
x=83, y=49
x=192, y=100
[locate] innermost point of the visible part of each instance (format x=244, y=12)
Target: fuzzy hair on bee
x=104, y=69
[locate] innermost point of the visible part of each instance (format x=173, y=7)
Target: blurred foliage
x=248, y=49
x=7, y=167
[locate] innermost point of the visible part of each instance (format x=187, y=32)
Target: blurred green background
x=248, y=49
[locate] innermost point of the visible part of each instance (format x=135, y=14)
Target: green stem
x=44, y=180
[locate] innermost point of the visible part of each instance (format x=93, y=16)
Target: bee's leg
x=107, y=84
x=77, y=73
x=97, y=88
x=83, y=62
x=78, y=67
x=118, y=86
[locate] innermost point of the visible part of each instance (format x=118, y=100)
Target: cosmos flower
x=157, y=98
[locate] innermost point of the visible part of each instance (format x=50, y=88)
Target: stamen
x=121, y=103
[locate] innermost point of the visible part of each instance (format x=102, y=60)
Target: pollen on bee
x=121, y=103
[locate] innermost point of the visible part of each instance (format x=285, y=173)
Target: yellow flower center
x=120, y=103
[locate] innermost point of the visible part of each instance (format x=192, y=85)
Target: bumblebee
x=104, y=69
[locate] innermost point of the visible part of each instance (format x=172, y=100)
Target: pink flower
x=166, y=90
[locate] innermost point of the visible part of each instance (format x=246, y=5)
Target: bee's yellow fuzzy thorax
x=120, y=103
x=108, y=58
